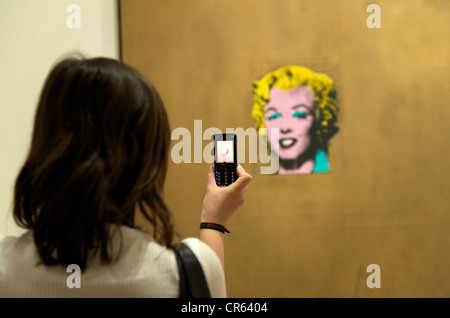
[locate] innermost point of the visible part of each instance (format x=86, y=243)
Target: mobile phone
x=225, y=159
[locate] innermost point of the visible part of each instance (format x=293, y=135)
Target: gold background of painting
x=386, y=198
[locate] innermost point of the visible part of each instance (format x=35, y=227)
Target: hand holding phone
x=220, y=203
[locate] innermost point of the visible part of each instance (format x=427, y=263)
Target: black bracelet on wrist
x=214, y=226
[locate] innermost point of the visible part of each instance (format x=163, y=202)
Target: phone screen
x=225, y=151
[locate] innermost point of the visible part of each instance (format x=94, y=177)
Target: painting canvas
x=302, y=105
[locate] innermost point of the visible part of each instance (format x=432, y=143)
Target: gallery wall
x=385, y=199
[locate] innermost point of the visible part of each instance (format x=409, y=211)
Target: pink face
x=291, y=111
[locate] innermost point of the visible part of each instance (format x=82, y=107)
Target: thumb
x=243, y=180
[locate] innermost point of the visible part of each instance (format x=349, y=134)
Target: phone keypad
x=226, y=177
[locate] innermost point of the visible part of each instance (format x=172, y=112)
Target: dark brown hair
x=99, y=150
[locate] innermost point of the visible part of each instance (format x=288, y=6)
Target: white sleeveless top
x=144, y=269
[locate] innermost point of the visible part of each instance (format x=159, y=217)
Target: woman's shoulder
x=203, y=252
x=137, y=242
x=211, y=266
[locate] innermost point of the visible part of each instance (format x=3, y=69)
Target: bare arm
x=219, y=206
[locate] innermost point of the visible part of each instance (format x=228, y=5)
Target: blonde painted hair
x=291, y=76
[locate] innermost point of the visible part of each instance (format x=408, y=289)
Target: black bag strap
x=192, y=279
